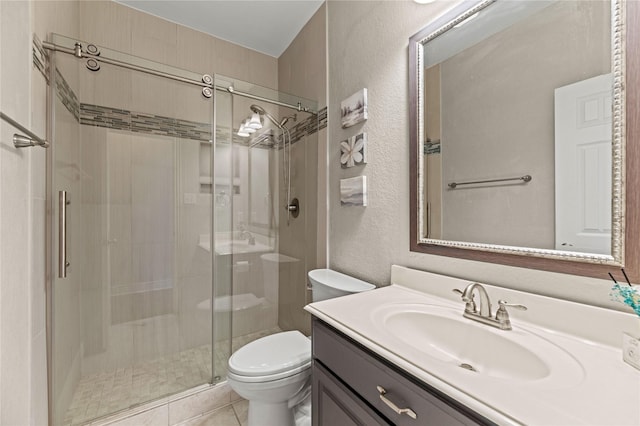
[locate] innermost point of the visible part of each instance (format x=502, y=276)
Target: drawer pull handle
x=408, y=411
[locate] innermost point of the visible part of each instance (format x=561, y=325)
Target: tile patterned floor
x=235, y=414
x=107, y=392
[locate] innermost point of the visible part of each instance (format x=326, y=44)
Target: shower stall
x=173, y=234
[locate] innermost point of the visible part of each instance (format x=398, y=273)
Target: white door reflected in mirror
x=583, y=165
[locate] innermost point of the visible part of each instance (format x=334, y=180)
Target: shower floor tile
x=108, y=392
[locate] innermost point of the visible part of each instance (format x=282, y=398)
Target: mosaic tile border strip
x=309, y=126
x=67, y=96
x=305, y=128
x=120, y=119
x=432, y=147
x=39, y=57
x=322, y=118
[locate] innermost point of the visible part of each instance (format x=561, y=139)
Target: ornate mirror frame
x=626, y=173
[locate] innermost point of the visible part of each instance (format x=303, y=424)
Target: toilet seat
x=271, y=358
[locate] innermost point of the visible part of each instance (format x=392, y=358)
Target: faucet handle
x=503, y=304
x=502, y=315
x=470, y=304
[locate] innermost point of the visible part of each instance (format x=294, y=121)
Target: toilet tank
x=327, y=284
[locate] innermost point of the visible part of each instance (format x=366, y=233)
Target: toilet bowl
x=270, y=372
x=273, y=372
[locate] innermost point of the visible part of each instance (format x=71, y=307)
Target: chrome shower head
x=280, y=125
x=259, y=110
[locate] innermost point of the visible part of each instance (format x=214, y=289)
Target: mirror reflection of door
x=583, y=165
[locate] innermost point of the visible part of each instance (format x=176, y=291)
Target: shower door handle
x=63, y=263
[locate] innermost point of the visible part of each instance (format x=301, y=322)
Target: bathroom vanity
x=404, y=354
x=350, y=381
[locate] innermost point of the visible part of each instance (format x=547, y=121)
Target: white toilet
x=273, y=372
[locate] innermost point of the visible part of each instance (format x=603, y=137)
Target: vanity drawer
x=364, y=372
x=335, y=404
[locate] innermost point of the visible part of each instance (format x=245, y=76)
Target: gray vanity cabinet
x=351, y=385
x=335, y=404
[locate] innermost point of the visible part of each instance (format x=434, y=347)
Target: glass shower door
x=260, y=247
x=131, y=313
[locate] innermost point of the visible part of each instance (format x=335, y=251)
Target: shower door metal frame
x=80, y=53
x=49, y=228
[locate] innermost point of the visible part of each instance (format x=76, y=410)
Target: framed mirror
x=523, y=132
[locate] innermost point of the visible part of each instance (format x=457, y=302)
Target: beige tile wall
x=93, y=196
x=302, y=70
x=194, y=269
x=23, y=379
x=295, y=241
x=16, y=225
x=128, y=30
x=119, y=27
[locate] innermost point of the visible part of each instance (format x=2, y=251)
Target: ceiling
x=267, y=26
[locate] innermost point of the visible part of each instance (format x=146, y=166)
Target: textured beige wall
x=368, y=48
x=302, y=71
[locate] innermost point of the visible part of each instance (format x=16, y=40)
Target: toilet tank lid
x=338, y=280
x=272, y=354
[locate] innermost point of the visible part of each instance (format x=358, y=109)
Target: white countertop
x=225, y=246
x=603, y=390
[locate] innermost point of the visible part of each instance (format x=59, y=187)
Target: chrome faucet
x=249, y=236
x=485, y=303
x=246, y=234
x=484, y=315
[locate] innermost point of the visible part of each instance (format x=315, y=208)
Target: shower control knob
x=294, y=207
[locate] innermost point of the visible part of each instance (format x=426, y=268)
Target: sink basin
x=226, y=247
x=240, y=246
x=237, y=246
x=444, y=335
